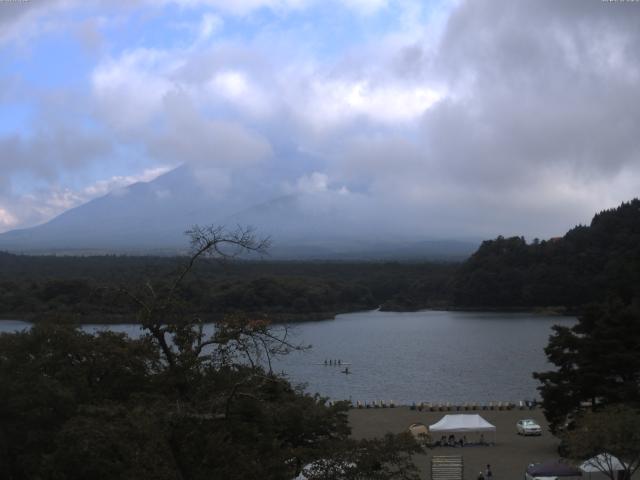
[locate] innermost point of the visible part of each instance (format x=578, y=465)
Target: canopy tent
x=602, y=463
x=420, y=432
x=462, y=423
x=552, y=469
x=418, y=429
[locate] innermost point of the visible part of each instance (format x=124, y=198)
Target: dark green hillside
x=85, y=288
x=587, y=265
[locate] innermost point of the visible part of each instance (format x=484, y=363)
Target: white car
x=528, y=427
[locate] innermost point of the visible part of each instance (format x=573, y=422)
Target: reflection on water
x=421, y=356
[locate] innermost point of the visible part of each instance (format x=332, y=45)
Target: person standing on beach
x=488, y=474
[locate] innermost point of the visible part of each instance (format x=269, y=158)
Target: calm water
x=421, y=356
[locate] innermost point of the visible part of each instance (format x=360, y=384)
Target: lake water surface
x=434, y=356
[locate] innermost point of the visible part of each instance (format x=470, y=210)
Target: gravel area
x=509, y=457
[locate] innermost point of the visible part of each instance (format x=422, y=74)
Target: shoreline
x=277, y=318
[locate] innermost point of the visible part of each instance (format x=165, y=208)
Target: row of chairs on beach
x=359, y=404
x=375, y=404
x=449, y=407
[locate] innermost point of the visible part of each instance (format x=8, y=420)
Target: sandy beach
x=509, y=457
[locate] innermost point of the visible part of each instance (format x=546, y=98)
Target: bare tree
x=181, y=336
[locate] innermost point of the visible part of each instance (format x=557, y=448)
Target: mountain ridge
x=151, y=217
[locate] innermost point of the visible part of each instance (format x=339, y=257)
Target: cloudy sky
x=474, y=118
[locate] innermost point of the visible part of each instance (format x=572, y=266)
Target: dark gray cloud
x=546, y=83
x=539, y=124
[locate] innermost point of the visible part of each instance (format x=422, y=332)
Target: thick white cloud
x=40, y=205
x=491, y=117
x=189, y=136
x=7, y=220
x=130, y=90
x=335, y=102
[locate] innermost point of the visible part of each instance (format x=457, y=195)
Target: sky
x=468, y=118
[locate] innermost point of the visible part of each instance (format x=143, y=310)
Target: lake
x=432, y=356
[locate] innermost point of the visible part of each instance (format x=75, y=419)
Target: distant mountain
x=151, y=217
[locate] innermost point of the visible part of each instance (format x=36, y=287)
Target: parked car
x=528, y=427
x=552, y=471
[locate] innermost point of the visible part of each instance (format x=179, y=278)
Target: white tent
x=602, y=463
x=462, y=423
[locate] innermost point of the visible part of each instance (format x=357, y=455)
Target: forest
x=176, y=403
x=90, y=289
x=179, y=404
x=589, y=264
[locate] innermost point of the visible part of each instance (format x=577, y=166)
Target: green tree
x=605, y=436
x=597, y=360
x=185, y=401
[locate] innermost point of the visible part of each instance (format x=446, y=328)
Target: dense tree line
x=588, y=264
x=176, y=403
x=88, y=288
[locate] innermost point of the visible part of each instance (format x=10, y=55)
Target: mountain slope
x=152, y=217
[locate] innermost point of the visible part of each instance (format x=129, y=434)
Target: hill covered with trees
x=88, y=289
x=587, y=265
